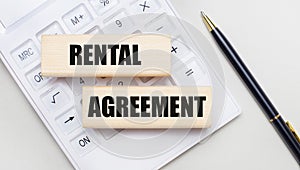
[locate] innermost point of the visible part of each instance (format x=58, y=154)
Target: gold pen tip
x=203, y=14
x=210, y=25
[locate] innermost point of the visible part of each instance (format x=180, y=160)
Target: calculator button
x=109, y=133
x=189, y=74
x=36, y=79
x=161, y=24
x=121, y=81
x=94, y=30
x=136, y=32
x=52, y=29
x=146, y=6
x=179, y=49
x=25, y=54
x=77, y=18
x=82, y=143
x=120, y=23
x=165, y=81
x=68, y=122
x=102, y=81
x=55, y=99
x=13, y=11
x=102, y=6
x=76, y=83
x=180, y=54
x=146, y=81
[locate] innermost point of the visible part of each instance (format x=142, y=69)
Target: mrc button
x=25, y=54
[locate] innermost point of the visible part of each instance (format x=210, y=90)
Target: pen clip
x=293, y=131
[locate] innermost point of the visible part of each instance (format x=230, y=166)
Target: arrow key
x=68, y=122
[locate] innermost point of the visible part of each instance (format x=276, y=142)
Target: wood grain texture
x=154, y=54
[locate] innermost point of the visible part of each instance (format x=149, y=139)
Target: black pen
x=284, y=129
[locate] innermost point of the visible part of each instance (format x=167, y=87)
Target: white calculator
x=57, y=101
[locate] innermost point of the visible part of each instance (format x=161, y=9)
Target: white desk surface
x=265, y=33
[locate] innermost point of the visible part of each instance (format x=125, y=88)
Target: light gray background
x=267, y=36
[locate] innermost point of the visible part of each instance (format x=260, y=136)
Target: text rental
x=96, y=54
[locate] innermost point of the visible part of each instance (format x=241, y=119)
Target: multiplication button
x=77, y=18
x=36, y=79
x=25, y=54
x=146, y=6
x=68, y=122
x=82, y=143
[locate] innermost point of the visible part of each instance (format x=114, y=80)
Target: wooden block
x=149, y=107
x=139, y=55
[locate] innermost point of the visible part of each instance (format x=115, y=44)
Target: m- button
x=25, y=54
